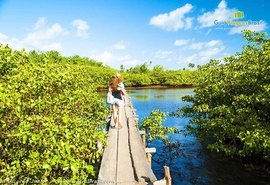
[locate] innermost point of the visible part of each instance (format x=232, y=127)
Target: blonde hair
x=120, y=79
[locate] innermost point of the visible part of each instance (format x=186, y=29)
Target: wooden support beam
x=148, y=152
x=167, y=177
x=136, y=122
x=149, y=158
x=143, y=138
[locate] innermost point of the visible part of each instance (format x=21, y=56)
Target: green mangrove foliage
x=231, y=106
x=153, y=127
x=96, y=71
x=51, y=118
x=142, y=75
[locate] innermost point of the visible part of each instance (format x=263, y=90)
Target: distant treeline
x=140, y=75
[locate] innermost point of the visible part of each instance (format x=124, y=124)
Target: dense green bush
x=50, y=119
x=231, y=104
x=95, y=70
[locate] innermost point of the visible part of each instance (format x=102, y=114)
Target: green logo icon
x=237, y=15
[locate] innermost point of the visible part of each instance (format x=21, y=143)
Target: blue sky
x=171, y=33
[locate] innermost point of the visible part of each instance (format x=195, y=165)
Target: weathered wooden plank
x=107, y=172
x=143, y=171
x=125, y=172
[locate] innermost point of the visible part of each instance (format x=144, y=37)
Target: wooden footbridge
x=126, y=161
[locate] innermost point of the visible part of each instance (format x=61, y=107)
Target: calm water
x=189, y=162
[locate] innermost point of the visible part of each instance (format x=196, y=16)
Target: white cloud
x=57, y=46
x=208, y=31
x=14, y=43
x=221, y=13
x=174, y=20
x=163, y=54
x=205, y=45
x=41, y=37
x=119, y=45
x=105, y=57
x=3, y=37
x=82, y=27
x=258, y=27
x=46, y=34
x=189, y=59
x=40, y=23
x=188, y=22
x=210, y=52
x=116, y=61
x=205, y=52
x=181, y=42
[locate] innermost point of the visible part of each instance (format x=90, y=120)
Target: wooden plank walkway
x=124, y=160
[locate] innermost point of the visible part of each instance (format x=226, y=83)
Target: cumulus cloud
x=46, y=33
x=82, y=27
x=57, y=46
x=40, y=23
x=119, y=45
x=116, y=61
x=163, y=54
x=253, y=27
x=3, y=37
x=205, y=45
x=181, y=42
x=174, y=20
x=204, y=52
x=41, y=37
x=221, y=13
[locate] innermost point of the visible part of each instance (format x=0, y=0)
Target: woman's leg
x=114, y=107
x=119, y=116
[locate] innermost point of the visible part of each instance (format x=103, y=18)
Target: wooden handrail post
x=148, y=152
x=142, y=133
x=144, y=139
x=136, y=122
x=167, y=177
x=149, y=158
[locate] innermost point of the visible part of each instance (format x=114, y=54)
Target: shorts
x=118, y=102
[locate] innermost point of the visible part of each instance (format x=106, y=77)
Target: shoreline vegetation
x=231, y=103
x=183, y=86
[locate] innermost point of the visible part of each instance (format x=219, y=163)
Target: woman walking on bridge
x=116, y=91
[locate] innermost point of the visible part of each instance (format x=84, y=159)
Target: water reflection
x=159, y=96
x=141, y=97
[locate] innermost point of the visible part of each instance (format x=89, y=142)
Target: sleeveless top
x=117, y=94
